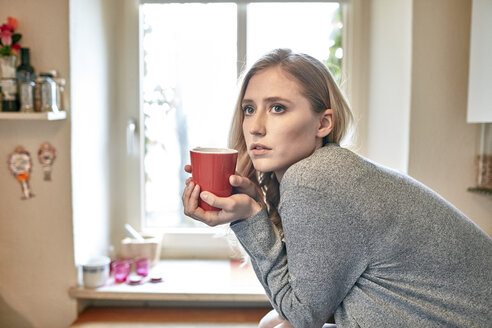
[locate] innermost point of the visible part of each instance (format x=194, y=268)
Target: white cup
x=95, y=272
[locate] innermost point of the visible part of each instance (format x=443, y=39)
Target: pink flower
x=12, y=22
x=9, y=39
x=5, y=27
x=6, y=37
x=16, y=48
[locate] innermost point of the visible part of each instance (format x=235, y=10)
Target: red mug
x=211, y=169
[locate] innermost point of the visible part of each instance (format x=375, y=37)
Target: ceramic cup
x=211, y=169
x=95, y=272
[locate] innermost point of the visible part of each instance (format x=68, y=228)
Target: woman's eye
x=278, y=108
x=248, y=110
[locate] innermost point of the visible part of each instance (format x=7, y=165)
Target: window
x=193, y=53
x=188, y=90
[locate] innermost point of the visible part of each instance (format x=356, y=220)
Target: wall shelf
x=484, y=191
x=42, y=116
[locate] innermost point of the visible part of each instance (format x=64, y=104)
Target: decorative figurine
x=46, y=156
x=20, y=166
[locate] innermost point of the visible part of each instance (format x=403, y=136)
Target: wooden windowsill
x=107, y=317
x=187, y=281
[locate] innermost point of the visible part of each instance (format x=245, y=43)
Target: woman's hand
x=235, y=207
x=273, y=320
x=241, y=185
x=244, y=185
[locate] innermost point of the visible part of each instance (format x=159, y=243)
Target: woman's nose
x=258, y=124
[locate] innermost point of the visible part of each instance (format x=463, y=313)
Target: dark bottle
x=25, y=72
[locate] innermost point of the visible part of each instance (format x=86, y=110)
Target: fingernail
x=203, y=196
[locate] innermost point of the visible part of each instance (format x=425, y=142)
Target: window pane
x=189, y=91
x=311, y=28
x=190, y=75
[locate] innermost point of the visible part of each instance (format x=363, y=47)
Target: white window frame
x=204, y=243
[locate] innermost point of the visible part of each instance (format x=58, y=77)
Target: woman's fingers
x=187, y=191
x=215, y=201
x=239, y=181
x=186, y=197
x=244, y=185
x=193, y=203
x=190, y=199
x=187, y=168
x=191, y=209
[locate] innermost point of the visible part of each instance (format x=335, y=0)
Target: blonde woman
x=330, y=233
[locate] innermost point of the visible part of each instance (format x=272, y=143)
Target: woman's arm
x=326, y=255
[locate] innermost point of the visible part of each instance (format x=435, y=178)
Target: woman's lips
x=259, y=149
x=258, y=152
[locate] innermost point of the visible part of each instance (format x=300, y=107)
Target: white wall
x=36, y=243
x=105, y=79
x=389, y=82
x=125, y=184
x=417, y=95
x=92, y=98
x=442, y=145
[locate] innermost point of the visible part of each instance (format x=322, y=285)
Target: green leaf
x=16, y=37
x=5, y=51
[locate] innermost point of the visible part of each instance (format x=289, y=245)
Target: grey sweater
x=371, y=246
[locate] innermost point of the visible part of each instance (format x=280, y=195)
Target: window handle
x=131, y=127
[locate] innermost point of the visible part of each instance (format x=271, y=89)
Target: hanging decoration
x=46, y=156
x=20, y=166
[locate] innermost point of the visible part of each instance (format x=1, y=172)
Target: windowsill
x=188, y=281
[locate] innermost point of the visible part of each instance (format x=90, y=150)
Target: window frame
x=182, y=242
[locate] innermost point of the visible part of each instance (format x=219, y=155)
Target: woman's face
x=279, y=126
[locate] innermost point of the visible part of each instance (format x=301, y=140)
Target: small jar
x=49, y=93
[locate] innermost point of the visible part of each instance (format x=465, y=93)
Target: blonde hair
x=318, y=86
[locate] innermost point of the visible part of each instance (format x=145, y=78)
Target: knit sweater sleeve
x=326, y=254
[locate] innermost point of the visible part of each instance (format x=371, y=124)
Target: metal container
x=49, y=93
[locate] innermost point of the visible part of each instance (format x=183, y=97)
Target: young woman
x=331, y=233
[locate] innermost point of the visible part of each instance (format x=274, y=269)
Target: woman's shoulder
x=326, y=165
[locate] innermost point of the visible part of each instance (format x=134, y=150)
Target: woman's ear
x=325, y=123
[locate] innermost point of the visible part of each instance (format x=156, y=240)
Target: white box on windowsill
x=149, y=248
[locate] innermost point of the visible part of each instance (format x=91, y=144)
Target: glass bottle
x=25, y=72
x=10, y=99
x=26, y=97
